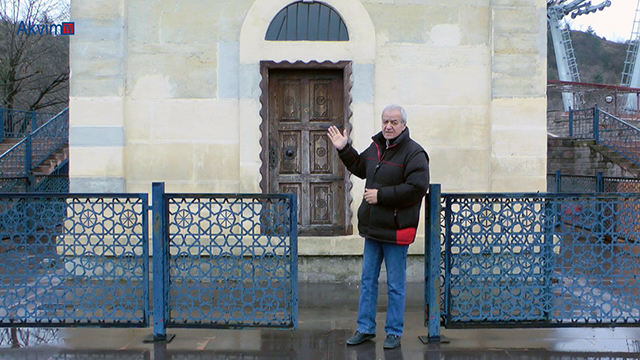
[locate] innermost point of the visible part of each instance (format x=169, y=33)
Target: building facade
x=236, y=96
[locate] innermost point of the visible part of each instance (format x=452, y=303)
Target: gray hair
x=397, y=107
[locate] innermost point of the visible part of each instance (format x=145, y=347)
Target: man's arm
x=414, y=187
x=349, y=156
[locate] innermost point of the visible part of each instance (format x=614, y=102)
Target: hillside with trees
x=599, y=61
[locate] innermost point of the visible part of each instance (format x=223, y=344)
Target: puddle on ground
x=29, y=337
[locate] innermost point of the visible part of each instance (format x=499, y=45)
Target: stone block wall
x=573, y=157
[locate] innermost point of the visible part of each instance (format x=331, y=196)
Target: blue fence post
x=27, y=164
x=293, y=240
x=34, y=121
x=160, y=265
x=1, y=124
x=558, y=181
x=596, y=120
x=570, y=122
x=432, y=265
x=599, y=182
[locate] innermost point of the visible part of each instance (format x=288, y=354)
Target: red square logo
x=68, y=28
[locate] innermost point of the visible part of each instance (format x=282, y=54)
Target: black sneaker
x=359, y=338
x=392, y=342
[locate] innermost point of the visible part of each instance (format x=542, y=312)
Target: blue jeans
x=395, y=260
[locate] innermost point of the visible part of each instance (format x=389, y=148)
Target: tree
x=34, y=65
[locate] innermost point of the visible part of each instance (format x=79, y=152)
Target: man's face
x=392, y=124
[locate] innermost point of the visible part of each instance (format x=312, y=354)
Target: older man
x=396, y=170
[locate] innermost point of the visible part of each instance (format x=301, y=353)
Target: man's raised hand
x=339, y=140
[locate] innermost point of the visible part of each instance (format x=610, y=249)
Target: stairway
x=616, y=158
x=53, y=161
x=7, y=144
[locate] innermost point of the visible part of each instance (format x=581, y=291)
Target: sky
x=614, y=22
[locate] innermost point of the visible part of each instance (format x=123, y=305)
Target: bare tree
x=34, y=57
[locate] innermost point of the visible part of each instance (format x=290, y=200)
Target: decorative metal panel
x=311, y=21
x=319, y=100
x=320, y=153
x=73, y=260
x=291, y=101
x=291, y=159
x=233, y=261
x=321, y=203
x=542, y=259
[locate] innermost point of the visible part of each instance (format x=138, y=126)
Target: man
x=396, y=170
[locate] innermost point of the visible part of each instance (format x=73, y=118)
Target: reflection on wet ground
x=326, y=319
x=27, y=337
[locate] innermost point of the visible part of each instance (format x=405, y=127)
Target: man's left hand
x=371, y=196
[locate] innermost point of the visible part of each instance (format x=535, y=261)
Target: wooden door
x=302, y=160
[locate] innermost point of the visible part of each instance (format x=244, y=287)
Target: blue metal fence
x=19, y=123
x=31, y=151
x=73, y=260
x=534, y=260
x=222, y=261
x=607, y=130
x=232, y=260
x=563, y=183
x=56, y=182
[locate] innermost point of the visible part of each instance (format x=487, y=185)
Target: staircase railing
x=23, y=157
x=606, y=130
x=563, y=183
x=19, y=123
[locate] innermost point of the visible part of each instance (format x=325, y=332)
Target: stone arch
x=360, y=47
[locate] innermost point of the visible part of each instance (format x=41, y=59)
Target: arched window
x=307, y=20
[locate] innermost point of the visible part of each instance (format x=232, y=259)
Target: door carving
x=302, y=104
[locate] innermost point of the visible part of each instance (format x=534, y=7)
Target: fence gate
x=73, y=260
x=541, y=259
x=230, y=260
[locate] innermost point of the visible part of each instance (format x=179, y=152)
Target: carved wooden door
x=302, y=160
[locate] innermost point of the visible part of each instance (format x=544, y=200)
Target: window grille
x=311, y=21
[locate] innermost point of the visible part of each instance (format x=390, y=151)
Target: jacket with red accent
x=400, y=172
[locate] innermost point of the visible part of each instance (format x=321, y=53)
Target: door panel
x=302, y=105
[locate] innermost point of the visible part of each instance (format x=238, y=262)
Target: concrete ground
x=326, y=319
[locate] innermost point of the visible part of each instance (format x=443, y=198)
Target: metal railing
x=607, y=130
x=19, y=123
x=562, y=183
x=230, y=260
x=219, y=260
x=31, y=151
x=56, y=182
x=74, y=260
x=542, y=260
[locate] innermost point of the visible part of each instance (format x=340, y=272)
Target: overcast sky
x=614, y=22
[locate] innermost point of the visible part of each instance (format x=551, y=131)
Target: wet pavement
x=326, y=319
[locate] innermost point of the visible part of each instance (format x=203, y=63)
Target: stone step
x=53, y=161
x=7, y=144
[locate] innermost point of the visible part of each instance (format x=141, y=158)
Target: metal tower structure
x=562, y=47
x=631, y=72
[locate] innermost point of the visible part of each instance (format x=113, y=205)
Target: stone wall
x=170, y=91
x=573, y=157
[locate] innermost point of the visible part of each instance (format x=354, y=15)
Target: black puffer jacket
x=401, y=175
